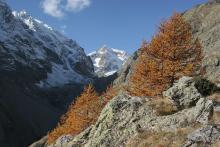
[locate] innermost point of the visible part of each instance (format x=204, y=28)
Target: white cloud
x=77, y=5
x=57, y=8
x=52, y=7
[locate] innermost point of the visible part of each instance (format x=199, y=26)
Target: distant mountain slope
x=107, y=61
x=41, y=71
x=30, y=42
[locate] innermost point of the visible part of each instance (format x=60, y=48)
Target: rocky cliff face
x=125, y=117
x=126, y=70
x=205, y=22
x=40, y=73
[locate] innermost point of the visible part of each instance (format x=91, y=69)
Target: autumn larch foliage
x=172, y=53
x=110, y=93
x=80, y=115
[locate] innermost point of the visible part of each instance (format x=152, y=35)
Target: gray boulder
x=119, y=120
x=199, y=113
x=184, y=93
x=206, y=135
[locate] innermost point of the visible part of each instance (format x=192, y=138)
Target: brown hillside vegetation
x=171, y=54
x=110, y=93
x=81, y=114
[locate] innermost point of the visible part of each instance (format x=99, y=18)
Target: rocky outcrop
x=124, y=116
x=184, y=93
x=206, y=135
x=118, y=121
x=205, y=23
x=200, y=113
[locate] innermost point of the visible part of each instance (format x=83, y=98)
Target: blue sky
x=121, y=24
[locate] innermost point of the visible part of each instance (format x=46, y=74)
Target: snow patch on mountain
x=60, y=76
x=107, y=61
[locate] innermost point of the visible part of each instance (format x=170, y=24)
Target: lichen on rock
x=184, y=93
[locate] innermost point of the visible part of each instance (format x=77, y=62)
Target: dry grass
x=162, y=106
x=217, y=144
x=161, y=139
x=215, y=119
x=215, y=97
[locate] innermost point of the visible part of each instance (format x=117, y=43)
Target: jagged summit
x=107, y=60
x=31, y=22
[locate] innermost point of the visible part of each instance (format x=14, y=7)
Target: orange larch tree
x=110, y=93
x=80, y=115
x=141, y=84
x=172, y=53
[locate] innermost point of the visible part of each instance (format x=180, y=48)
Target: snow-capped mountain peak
x=107, y=60
x=35, y=45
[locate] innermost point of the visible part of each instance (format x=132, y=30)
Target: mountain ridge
x=70, y=63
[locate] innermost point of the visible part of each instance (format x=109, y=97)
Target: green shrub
x=205, y=87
